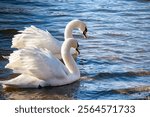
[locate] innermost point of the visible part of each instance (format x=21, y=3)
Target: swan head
x=74, y=44
x=82, y=27
x=75, y=24
x=71, y=43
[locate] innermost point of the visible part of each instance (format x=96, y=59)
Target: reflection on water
x=114, y=60
x=64, y=93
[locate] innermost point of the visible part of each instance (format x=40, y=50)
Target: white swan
x=35, y=37
x=39, y=68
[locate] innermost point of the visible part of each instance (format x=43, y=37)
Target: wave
x=124, y=74
x=133, y=90
x=138, y=93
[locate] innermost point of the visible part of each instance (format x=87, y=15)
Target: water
x=114, y=60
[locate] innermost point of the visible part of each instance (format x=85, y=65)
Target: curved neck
x=69, y=61
x=68, y=32
x=69, y=28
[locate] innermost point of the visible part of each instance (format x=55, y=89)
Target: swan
x=39, y=68
x=35, y=37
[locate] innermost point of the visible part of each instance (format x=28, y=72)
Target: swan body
x=39, y=67
x=35, y=37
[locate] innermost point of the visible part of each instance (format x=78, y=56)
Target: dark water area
x=114, y=60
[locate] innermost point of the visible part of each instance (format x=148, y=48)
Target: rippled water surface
x=114, y=60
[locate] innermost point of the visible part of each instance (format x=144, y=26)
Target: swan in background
x=39, y=67
x=35, y=37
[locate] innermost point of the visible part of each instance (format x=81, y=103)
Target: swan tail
x=15, y=61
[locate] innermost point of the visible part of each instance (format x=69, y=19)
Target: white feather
x=37, y=67
x=35, y=37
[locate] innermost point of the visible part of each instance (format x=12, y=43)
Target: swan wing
x=38, y=63
x=35, y=37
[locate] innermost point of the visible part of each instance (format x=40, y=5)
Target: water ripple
x=125, y=74
x=114, y=60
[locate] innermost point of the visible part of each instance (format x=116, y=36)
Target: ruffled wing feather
x=38, y=63
x=35, y=37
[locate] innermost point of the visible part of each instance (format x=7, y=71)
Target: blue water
x=114, y=60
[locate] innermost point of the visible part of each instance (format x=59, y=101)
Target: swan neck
x=69, y=28
x=68, y=31
x=69, y=61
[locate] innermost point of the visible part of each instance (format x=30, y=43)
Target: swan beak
x=78, y=52
x=84, y=33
